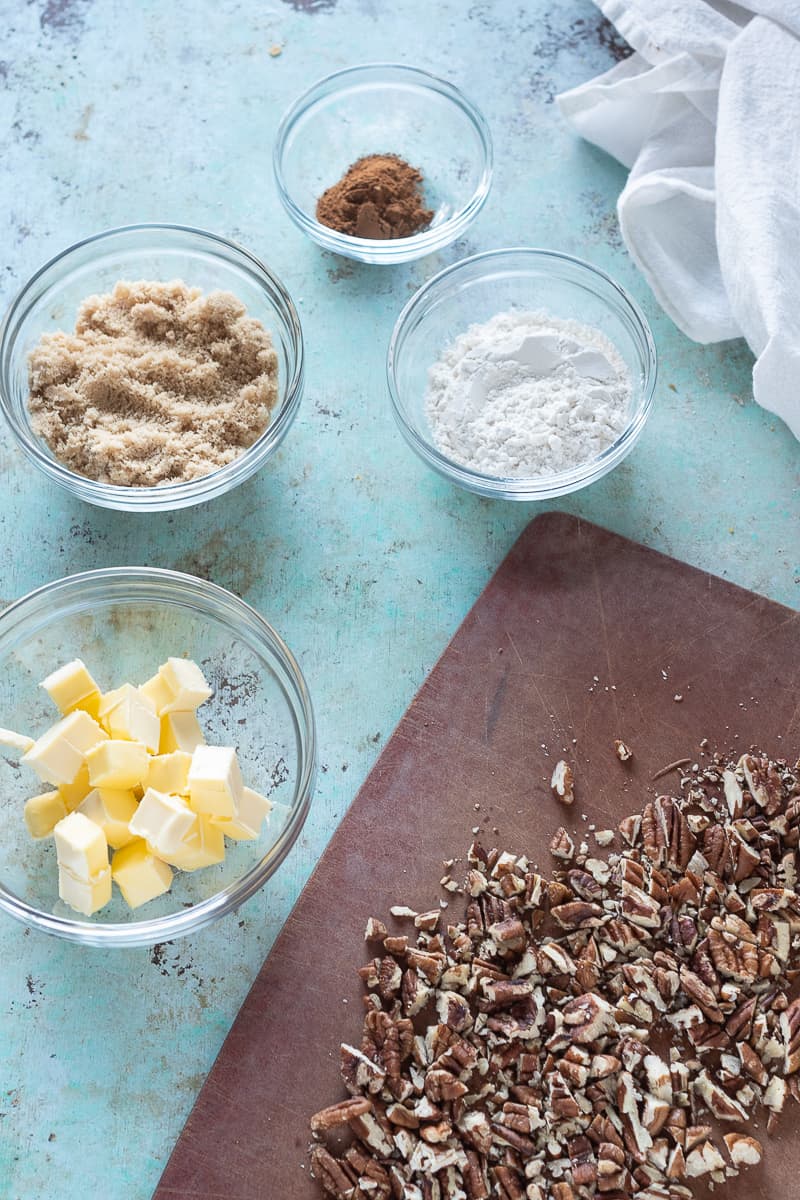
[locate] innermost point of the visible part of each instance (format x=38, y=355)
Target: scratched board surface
x=581, y=637
x=364, y=560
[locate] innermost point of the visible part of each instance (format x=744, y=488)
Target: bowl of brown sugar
x=383, y=163
x=151, y=367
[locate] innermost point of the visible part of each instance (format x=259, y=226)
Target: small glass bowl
x=385, y=108
x=50, y=300
x=124, y=622
x=473, y=290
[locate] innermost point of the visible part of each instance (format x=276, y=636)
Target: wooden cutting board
x=580, y=637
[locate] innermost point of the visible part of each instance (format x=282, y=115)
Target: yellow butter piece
x=16, y=741
x=170, y=772
x=117, y=764
x=156, y=691
x=109, y=700
x=185, y=683
x=139, y=875
x=133, y=717
x=202, y=848
x=84, y=895
x=215, y=781
x=111, y=809
x=81, y=846
x=163, y=821
x=73, y=793
x=71, y=686
x=253, y=808
x=180, y=731
x=42, y=813
x=58, y=755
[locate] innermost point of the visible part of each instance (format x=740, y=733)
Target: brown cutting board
x=580, y=637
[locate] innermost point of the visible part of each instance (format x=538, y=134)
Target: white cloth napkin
x=706, y=113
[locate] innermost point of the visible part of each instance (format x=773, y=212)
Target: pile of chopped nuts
x=588, y=1035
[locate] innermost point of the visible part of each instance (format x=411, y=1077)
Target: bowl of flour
x=522, y=374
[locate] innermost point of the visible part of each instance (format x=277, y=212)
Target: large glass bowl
x=475, y=289
x=385, y=108
x=124, y=622
x=50, y=300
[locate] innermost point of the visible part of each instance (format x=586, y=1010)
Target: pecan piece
x=745, y=1151
x=331, y=1173
x=360, y=1074
x=562, y=782
x=790, y=1031
x=339, y=1114
x=622, y=751
x=561, y=845
x=764, y=783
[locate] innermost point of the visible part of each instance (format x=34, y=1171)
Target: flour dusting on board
x=527, y=394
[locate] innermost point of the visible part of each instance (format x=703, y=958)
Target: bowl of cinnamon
x=383, y=163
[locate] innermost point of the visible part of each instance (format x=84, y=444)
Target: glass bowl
x=475, y=289
x=124, y=622
x=50, y=300
x=385, y=108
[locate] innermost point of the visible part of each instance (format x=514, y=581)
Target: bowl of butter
x=156, y=755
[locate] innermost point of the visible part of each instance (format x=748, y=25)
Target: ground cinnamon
x=379, y=196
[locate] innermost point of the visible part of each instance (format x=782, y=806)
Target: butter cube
x=117, y=764
x=84, y=895
x=81, y=846
x=170, y=772
x=73, y=793
x=215, y=781
x=163, y=821
x=58, y=755
x=42, y=813
x=139, y=875
x=108, y=700
x=111, y=809
x=253, y=808
x=203, y=847
x=133, y=718
x=180, y=731
x=71, y=687
x=16, y=741
x=185, y=683
x=156, y=691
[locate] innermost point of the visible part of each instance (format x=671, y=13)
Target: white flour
x=527, y=394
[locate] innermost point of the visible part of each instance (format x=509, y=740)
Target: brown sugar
x=379, y=196
x=159, y=384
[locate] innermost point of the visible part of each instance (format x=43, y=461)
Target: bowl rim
x=176, y=495
x=159, y=929
x=539, y=487
x=394, y=250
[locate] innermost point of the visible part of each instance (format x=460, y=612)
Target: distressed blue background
x=113, y=112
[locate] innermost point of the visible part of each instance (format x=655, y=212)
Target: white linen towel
x=706, y=114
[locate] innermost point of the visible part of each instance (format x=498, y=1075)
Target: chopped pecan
x=336, y=1115
x=332, y=1175
x=622, y=751
x=745, y=1151
x=360, y=1074
x=764, y=783
x=562, y=782
x=579, y=914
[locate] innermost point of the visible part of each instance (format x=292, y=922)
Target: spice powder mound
x=379, y=197
x=159, y=384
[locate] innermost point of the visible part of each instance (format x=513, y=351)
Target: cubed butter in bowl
x=164, y=760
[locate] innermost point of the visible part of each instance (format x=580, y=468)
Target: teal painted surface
x=364, y=561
